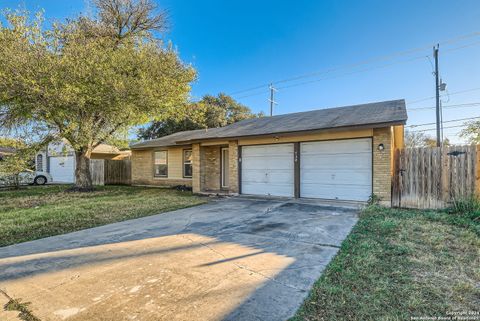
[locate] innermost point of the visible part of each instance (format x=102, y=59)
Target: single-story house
x=343, y=153
x=58, y=159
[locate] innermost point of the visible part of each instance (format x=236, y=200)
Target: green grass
x=397, y=264
x=36, y=212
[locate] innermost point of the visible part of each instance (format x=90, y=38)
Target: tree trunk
x=83, y=179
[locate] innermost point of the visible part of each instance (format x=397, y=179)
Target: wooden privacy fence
x=111, y=172
x=432, y=177
x=118, y=172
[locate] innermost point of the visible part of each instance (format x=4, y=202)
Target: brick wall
x=382, y=180
x=196, y=177
x=210, y=168
x=233, y=166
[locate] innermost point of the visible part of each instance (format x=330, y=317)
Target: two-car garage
x=335, y=169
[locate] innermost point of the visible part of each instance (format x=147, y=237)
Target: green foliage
x=25, y=313
x=373, y=200
x=472, y=132
x=395, y=265
x=22, y=159
x=209, y=112
x=40, y=211
x=468, y=207
x=86, y=79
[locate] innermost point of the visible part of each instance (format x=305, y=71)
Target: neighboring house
x=4, y=151
x=58, y=159
x=340, y=153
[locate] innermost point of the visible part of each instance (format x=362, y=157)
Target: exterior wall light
x=381, y=147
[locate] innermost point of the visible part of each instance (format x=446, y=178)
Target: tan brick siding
x=382, y=180
x=233, y=166
x=196, y=181
x=142, y=168
x=210, y=168
x=207, y=161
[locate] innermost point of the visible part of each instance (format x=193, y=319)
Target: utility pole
x=272, y=99
x=437, y=94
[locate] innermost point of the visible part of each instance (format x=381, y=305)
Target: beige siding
x=290, y=138
x=142, y=168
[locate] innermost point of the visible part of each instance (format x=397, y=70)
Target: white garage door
x=340, y=169
x=268, y=170
x=62, y=169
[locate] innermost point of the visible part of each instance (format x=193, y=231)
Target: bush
x=373, y=200
x=468, y=207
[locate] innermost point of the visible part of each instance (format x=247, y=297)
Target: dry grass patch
x=398, y=264
x=37, y=212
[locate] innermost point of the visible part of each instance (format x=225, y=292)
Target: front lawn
x=401, y=265
x=40, y=211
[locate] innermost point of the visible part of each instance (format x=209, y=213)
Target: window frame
x=39, y=163
x=155, y=175
x=184, y=163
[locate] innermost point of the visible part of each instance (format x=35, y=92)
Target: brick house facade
x=214, y=163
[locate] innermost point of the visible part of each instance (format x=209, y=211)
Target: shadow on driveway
x=231, y=259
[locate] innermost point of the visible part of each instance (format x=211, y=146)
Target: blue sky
x=237, y=45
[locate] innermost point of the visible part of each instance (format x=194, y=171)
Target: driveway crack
x=246, y=268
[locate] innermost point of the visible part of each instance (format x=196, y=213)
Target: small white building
x=58, y=159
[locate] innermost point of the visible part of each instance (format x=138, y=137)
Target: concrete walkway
x=231, y=259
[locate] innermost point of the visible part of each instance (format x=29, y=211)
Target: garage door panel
x=339, y=178
x=341, y=161
x=266, y=189
x=268, y=170
x=339, y=169
x=341, y=146
x=354, y=193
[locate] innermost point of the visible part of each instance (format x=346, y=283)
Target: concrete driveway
x=230, y=259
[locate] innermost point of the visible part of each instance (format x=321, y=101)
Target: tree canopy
x=89, y=79
x=472, y=132
x=420, y=139
x=209, y=112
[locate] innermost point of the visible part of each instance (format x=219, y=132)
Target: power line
x=450, y=94
x=360, y=71
x=447, y=121
x=430, y=129
x=367, y=61
x=352, y=73
x=447, y=106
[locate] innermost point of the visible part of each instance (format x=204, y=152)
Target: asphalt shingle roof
x=387, y=112
x=170, y=140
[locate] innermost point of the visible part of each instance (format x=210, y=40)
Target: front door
x=225, y=168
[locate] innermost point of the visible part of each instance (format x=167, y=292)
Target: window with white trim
x=187, y=163
x=161, y=164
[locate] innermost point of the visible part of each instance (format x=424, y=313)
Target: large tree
x=88, y=79
x=209, y=112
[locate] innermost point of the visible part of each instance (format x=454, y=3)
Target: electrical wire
x=450, y=94
x=447, y=121
x=360, y=63
x=430, y=129
x=446, y=106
